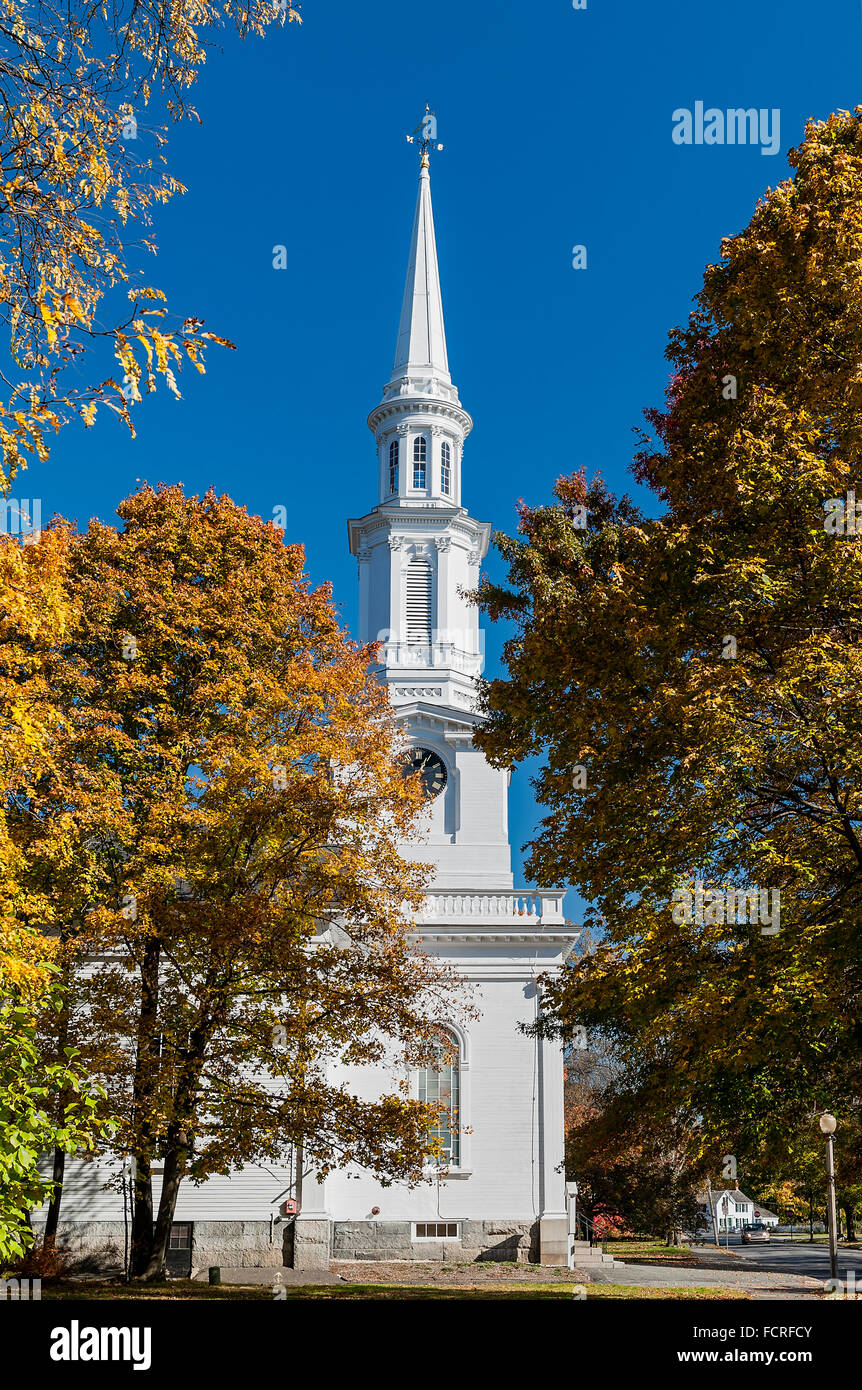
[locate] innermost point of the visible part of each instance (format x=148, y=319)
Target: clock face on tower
x=432, y=768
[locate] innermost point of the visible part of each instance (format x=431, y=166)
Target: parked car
x=754, y=1231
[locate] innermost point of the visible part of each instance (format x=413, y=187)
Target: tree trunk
x=52, y=1219
x=142, y=1218
x=157, y=1267
x=850, y=1220
x=144, y=1090
x=178, y=1146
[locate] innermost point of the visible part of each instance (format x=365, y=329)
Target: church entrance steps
x=586, y=1256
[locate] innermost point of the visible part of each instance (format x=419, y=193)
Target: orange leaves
x=35, y=613
x=238, y=803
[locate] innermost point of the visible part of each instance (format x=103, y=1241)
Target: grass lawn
x=800, y=1237
x=647, y=1250
x=183, y=1290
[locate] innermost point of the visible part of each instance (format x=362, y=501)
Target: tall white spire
x=420, y=424
x=421, y=346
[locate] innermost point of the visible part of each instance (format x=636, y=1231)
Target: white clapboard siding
x=252, y=1194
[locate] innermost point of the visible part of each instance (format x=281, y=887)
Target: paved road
x=717, y=1274
x=793, y=1257
x=777, y=1270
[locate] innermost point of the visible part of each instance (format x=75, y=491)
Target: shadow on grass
x=183, y=1291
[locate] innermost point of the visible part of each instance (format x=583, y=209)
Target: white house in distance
x=733, y=1210
x=504, y=1192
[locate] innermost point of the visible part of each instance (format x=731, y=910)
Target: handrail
x=589, y=1229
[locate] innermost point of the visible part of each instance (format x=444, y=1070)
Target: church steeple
x=421, y=346
x=419, y=554
x=420, y=424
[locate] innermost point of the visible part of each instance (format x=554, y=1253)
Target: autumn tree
x=82, y=92
x=86, y=93
x=634, y=1174
x=793, y=1183
x=693, y=681
x=248, y=904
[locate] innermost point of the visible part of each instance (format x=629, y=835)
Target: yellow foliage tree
x=240, y=798
x=35, y=616
x=80, y=177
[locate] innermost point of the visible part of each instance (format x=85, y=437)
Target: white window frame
x=423, y=1240
x=446, y=468
x=464, y=1167
x=420, y=446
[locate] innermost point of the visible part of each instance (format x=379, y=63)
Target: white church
x=503, y=1192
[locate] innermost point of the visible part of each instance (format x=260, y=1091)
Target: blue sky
x=557, y=129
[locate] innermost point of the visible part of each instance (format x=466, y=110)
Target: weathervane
x=426, y=133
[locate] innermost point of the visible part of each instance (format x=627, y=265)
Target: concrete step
x=586, y=1256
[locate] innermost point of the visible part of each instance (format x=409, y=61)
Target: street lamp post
x=828, y=1124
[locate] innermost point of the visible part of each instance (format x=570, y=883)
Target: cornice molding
x=402, y=406
x=460, y=526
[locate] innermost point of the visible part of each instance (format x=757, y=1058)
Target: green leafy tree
x=29, y=1123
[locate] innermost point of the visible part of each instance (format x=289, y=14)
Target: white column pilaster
x=312, y=1238
x=396, y=620
x=553, y=1220
x=364, y=557
x=444, y=613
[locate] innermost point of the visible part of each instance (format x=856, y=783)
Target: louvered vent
x=419, y=602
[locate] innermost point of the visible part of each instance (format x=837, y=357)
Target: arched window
x=393, y=466
x=419, y=458
x=445, y=468
x=440, y=1083
x=418, y=592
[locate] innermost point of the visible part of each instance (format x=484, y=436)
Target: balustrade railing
x=437, y=656
x=525, y=906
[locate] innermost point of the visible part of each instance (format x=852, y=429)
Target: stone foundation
x=313, y=1242
x=100, y=1243
x=310, y=1242
x=236, y=1243
x=229, y=1243
x=517, y=1242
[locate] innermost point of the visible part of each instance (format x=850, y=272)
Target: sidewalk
x=714, y=1270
